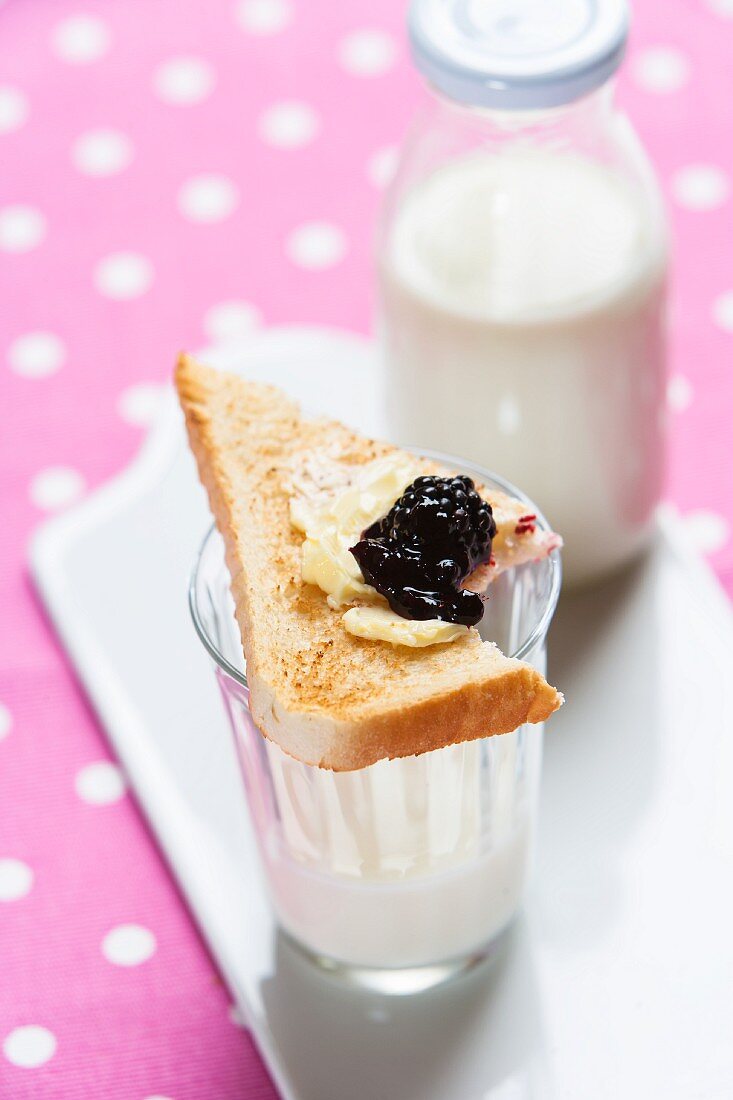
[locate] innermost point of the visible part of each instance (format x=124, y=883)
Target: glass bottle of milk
x=522, y=258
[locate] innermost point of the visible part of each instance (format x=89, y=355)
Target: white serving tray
x=617, y=980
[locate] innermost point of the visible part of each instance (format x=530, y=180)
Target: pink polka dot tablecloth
x=173, y=173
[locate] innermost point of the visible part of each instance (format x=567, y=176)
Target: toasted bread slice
x=324, y=696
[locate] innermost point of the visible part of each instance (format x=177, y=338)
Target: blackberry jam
x=431, y=539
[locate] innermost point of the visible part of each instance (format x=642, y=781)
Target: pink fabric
x=160, y=1025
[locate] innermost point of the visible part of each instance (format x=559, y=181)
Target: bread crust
x=324, y=696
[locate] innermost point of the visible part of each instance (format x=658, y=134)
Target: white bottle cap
x=517, y=54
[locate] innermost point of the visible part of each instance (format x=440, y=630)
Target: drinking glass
x=406, y=872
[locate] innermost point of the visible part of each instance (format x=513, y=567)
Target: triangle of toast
x=324, y=696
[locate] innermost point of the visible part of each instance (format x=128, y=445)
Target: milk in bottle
x=522, y=266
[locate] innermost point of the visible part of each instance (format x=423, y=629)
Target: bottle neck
x=581, y=123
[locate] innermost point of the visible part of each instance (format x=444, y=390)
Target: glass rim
x=480, y=474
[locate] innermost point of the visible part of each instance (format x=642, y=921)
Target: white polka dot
x=101, y=152
x=56, y=487
x=123, y=275
x=36, y=354
x=128, y=945
x=21, y=228
x=723, y=311
x=679, y=393
x=13, y=109
x=367, y=53
x=316, y=245
x=661, y=69
x=100, y=783
x=231, y=321
x=184, y=80
x=263, y=16
x=508, y=416
x=16, y=879
x=80, y=39
x=707, y=531
x=288, y=125
x=139, y=404
x=236, y=1017
x=721, y=7
x=382, y=165
x=29, y=1046
x=700, y=186
x=6, y=721
x=207, y=198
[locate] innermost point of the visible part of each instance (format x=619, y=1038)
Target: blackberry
x=430, y=540
x=445, y=513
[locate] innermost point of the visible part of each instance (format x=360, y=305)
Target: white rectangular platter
x=617, y=981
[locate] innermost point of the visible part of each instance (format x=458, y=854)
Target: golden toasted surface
x=324, y=695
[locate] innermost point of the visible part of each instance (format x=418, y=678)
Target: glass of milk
x=522, y=257
x=402, y=874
